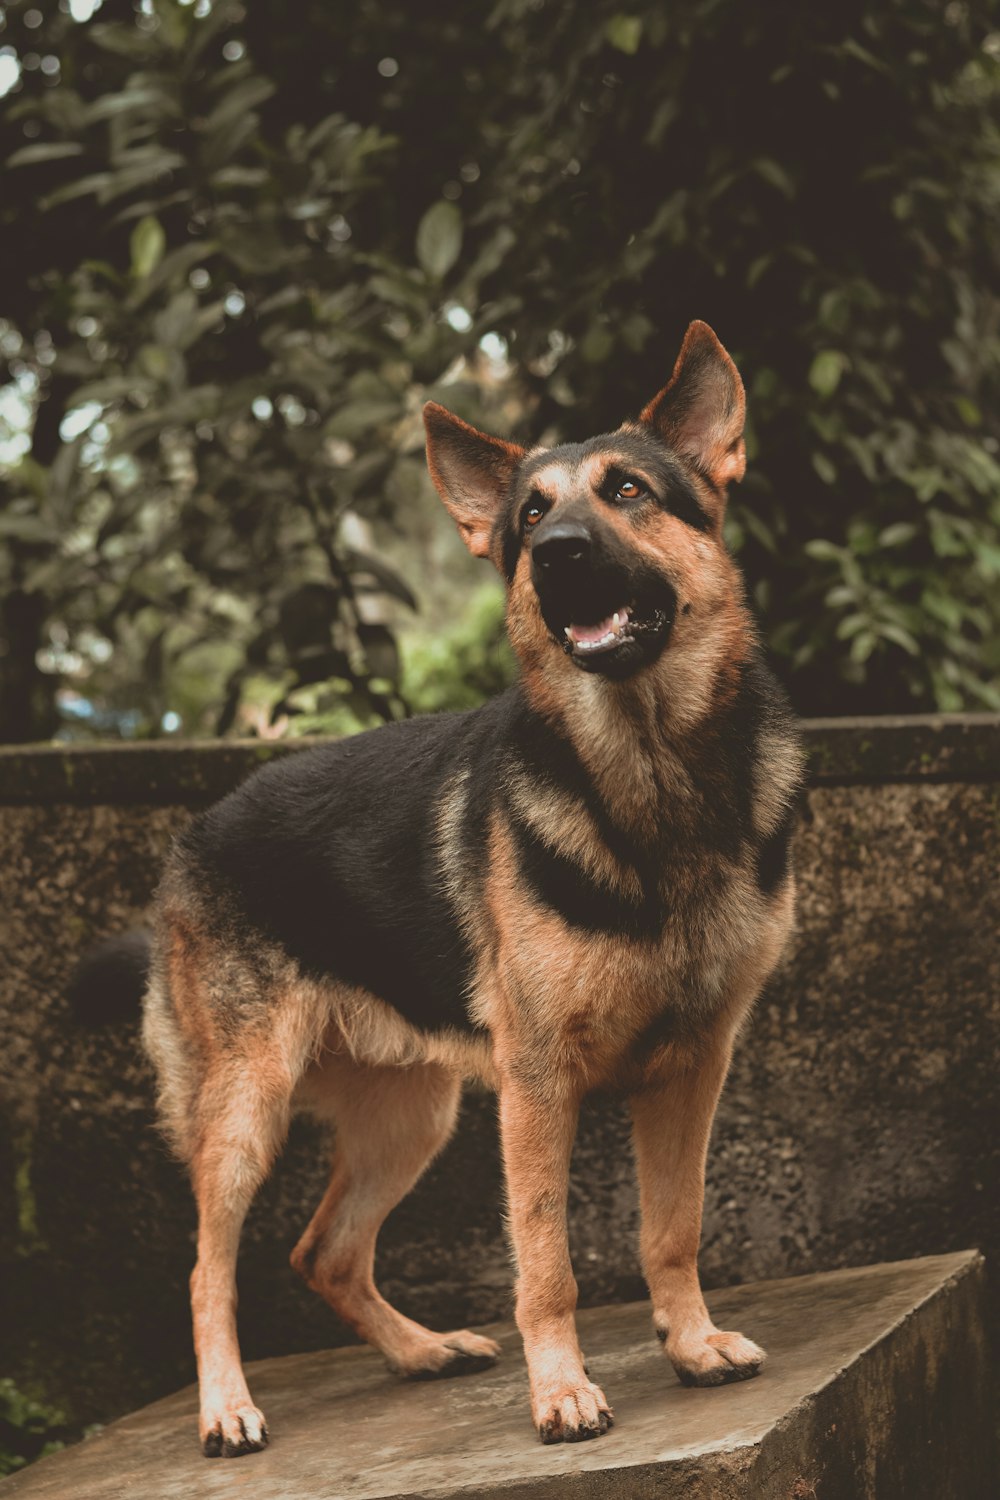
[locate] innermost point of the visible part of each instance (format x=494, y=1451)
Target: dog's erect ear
x=471, y=472
x=702, y=411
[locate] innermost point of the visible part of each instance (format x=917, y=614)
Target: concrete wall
x=859, y=1123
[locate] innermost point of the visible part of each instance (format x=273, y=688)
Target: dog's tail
x=109, y=981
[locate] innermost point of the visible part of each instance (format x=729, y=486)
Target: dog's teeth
x=614, y=629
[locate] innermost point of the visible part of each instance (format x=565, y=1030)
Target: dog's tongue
x=589, y=635
x=586, y=634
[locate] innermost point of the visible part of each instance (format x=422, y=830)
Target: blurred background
x=242, y=244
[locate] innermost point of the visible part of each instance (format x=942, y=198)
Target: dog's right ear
x=702, y=411
x=471, y=472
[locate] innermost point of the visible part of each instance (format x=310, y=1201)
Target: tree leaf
x=256, y=249
x=439, y=238
x=624, y=33
x=28, y=528
x=823, y=550
x=775, y=174
x=147, y=243
x=94, y=182
x=129, y=101
x=381, y=651
x=177, y=264
x=825, y=468
x=238, y=100
x=356, y=418
x=901, y=637
x=826, y=370
x=44, y=151
x=386, y=579
x=897, y=535
x=863, y=645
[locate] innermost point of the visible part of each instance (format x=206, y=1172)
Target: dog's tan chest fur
x=585, y=1003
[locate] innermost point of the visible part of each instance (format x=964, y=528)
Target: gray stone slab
x=914, y=747
x=876, y=1388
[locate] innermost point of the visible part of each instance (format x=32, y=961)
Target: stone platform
x=877, y=1387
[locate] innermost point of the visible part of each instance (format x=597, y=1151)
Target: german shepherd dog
x=583, y=884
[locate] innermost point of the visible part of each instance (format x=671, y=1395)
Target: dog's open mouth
x=604, y=636
x=630, y=635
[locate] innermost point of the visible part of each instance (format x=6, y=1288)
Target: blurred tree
x=220, y=371
x=262, y=244
x=821, y=185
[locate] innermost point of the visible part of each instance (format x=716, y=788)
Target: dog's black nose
x=562, y=547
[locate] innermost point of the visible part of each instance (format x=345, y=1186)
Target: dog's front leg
x=672, y=1120
x=538, y=1124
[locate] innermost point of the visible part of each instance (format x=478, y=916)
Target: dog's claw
x=575, y=1415
x=235, y=1433
x=460, y=1364
x=719, y=1359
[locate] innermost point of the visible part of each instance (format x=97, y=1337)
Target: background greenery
x=243, y=245
x=29, y=1429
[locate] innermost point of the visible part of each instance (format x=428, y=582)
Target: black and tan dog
x=583, y=884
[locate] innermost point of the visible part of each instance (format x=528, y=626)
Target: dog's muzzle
x=607, y=609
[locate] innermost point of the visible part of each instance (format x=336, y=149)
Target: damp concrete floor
x=876, y=1384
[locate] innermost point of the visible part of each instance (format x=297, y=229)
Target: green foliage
x=439, y=239
x=820, y=184
x=237, y=374
x=28, y=1429
x=464, y=664
x=447, y=670
x=243, y=288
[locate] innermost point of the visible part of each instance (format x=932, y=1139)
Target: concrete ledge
x=877, y=1388
x=842, y=752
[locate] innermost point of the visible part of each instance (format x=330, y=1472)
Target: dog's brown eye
x=533, y=515
x=629, y=489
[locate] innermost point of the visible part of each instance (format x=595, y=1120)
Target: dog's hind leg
x=241, y=1112
x=390, y=1122
x=242, y=1127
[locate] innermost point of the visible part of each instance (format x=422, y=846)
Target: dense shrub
x=241, y=288
x=28, y=1429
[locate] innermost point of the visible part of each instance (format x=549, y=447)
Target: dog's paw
x=572, y=1415
x=716, y=1359
x=461, y=1353
x=233, y=1432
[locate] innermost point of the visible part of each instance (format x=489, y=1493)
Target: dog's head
x=612, y=548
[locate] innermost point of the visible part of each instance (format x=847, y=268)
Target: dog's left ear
x=701, y=412
x=471, y=472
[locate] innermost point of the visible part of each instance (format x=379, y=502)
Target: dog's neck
x=641, y=741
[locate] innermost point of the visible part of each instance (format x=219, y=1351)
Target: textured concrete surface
x=942, y=747
x=876, y=1389
x=859, y=1123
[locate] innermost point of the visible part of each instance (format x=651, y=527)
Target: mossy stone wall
x=858, y=1125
